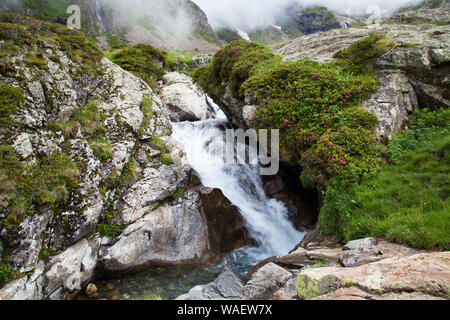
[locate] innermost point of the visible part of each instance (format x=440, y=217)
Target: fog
x=166, y=16
x=253, y=14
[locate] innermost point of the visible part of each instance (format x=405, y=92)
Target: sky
x=260, y=13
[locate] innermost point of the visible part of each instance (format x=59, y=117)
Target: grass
x=28, y=188
x=144, y=61
x=88, y=119
x=11, y=98
x=408, y=201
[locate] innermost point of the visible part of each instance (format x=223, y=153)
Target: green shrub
x=143, y=60
x=11, y=98
x=408, y=200
x=233, y=65
x=361, y=56
x=317, y=109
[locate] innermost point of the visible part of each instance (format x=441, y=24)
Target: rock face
x=185, y=98
x=228, y=286
x=411, y=76
x=134, y=205
x=423, y=274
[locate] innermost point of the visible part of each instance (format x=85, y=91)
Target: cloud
x=252, y=14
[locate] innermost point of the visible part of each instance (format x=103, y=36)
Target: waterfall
x=266, y=219
x=98, y=13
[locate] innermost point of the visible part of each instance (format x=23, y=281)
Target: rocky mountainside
x=428, y=11
x=168, y=25
x=294, y=21
x=90, y=171
x=415, y=72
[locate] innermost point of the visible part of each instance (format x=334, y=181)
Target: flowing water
x=266, y=219
x=98, y=13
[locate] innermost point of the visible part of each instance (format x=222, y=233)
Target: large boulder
x=265, y=282
x=173, y=234
x=227, y=286
x=425, y=273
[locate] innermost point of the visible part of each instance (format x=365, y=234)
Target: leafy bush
x=318, y=111
x=11, y=99
x=233, y=65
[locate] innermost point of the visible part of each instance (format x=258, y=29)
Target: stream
x=266, y=219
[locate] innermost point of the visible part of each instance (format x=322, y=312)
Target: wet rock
x=226, y=226
x=91, y=289
x=265, y=282
x=228, y=286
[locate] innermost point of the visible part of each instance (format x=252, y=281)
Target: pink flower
x=333, y=159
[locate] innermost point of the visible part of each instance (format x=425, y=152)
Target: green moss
x=101, y=148
x=144, y=61
x=307, y=288
x=233, y=65
x=11, y=99
x=361, y=56
x=7, y=273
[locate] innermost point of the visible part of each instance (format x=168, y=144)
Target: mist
x=253, y=14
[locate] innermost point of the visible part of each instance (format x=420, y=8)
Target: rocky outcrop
x=186, y=100
x=421, y=274
x=413, y=74
x=264, y=282
x=173, y=234
x=134, y=203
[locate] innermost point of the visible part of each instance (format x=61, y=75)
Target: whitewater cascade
x=266, y=219
x=99, y=15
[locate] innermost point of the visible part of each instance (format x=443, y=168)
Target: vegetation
x=408, y=201
x=27, y=32
x=87, y=119
x=361, y=56
x=316, y=107
x=144, y=61
x=28, y=188
x=11, y=99
x=228, y=35
x=399, y=191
